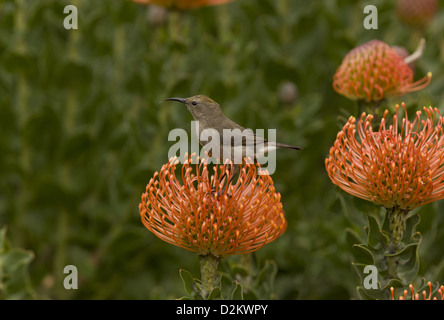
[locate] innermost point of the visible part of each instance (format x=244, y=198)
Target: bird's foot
x=218, y=193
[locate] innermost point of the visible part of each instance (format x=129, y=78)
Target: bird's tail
x=281, y=145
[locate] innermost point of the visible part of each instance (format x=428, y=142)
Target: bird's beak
x=183, y=100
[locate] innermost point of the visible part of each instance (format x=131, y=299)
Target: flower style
x=183, y=4
x=202, y=216
x=401, y=169
x=416, y=296
x=374, y=71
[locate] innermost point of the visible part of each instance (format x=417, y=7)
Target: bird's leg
x=234, y=171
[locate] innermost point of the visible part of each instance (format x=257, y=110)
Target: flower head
x=416, y=13
x=396, y=168
x=374, y=71
x=202, y=216
x=183, y=4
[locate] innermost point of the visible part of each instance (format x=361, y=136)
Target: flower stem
x=397, y=219
x=397, y=222
x=208, y=269
x=370, y=107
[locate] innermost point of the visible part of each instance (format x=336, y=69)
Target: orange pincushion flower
x=374, y=71
x=183, y=4
x=198, y=214
x=416, y=13
x=396, y=169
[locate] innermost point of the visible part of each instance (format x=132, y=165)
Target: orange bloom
x=416, y=13
x=374, y=71
x=183, y=4
x=394, y=168
x=416, y=296
x=202, y=216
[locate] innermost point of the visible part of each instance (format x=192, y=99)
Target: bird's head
x=200, y=106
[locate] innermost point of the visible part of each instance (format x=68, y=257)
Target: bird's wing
x=238, y=135
x=244, y=137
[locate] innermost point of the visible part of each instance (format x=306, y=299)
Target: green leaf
x=4, y=244
x=410, y=227
x=237, y=292
x=363, y=254
x=375, y=294
x=267, y=274
x=238, y=268
x=352, y=237
x=215, y=294
x=408, y=263
x=188, y=281
x=14, y=276
x=374, y=232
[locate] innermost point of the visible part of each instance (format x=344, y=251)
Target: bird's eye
x=194, y=103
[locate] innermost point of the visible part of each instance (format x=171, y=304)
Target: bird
x=234, y=139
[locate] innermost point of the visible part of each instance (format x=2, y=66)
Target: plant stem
x=397, y=218
x=397, y=221
x=370, y=107
x=208, y=269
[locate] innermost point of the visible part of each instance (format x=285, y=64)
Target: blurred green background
x=82, y=132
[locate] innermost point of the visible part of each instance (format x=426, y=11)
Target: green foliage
x=396, y=267
x=241, y=278
x=82, y=132
x=14, y=275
